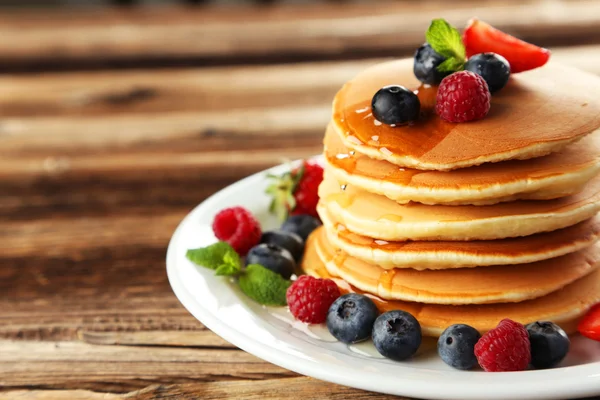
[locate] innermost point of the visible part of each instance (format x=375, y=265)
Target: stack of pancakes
x=466, y=223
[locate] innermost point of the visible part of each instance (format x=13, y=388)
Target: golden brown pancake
x=456, y=254
x=498, y=284
x=537, y=112
x=564, y=306
x=378, y=217
x=555, y=175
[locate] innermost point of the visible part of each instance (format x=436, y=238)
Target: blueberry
x=272, y=257
x=492, y=67
x=302, y=225
x=456, y=346
x=288, y=240
x=549, y=344
x=350, y=318
x=425, y=67
x=397, y=335
x=395, y=105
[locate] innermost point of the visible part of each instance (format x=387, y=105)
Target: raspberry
x=238, y=227
x=309, y=298
x=463, y=96
x=504, y=348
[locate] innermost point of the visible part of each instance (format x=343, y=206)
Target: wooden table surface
x=114, y=124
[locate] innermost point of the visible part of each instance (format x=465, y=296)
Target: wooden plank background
x=114, y=124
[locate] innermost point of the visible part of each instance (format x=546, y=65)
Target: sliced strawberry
x=589, y=326
x=480, y=37
x=297, y=191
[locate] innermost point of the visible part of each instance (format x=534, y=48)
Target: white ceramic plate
x=272, y=335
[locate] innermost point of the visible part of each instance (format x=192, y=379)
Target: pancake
x=378, y=217
x=548, y=177
x=536, y=113
x=564, y=306
x=455, y=254
x=498, y=284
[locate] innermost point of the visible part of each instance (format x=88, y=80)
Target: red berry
x=504, y=348
x=309, y=298
x=589, y=326
x=307, y=191
x=463, y=96
x=297, y=191
x=480, y=37
x=238, y=227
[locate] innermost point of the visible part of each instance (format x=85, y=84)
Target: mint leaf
x=232, y=258
x=446, y=40
x=227, y=270
x=451, y=65
x=232, y=265
x=264, y=286
x=210, y=257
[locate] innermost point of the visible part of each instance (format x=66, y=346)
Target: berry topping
x=238, y=227
x=426, y=65
x=350, y=318
x=480, y=37
x=272, y=257
x=301, y=225
x=296, y=191
x=395, y=105
x=589, y=326
x=504, y=348
x=456, y=346
x=309, y=298
x=288, y=240
x=493, y=68
x=463, y=96
x=397, y=335
x=549, y=344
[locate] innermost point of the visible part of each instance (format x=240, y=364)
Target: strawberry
x=296, y=191
x=589, y=326
x=480, y=37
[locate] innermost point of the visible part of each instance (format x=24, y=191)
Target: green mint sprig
x=264, y=286
x=220, y=257
x=257, y=282
x=446, y=41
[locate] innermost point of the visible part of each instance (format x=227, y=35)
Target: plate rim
x=555, y=387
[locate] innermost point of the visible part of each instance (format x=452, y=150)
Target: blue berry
x=350, y=318
x=272, y=257
x=493, y=68
x=549, y=344
x=456, y=346
x=425, y=67
x=397, y=335
x=301, y=224
x=395, y=105
x=288, y=240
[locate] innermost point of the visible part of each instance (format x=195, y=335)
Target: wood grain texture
x=98, y=168
x=276, y=389
x=125, y=368
x=277, y=31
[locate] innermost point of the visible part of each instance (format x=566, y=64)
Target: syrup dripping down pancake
x=378, y=217
x=564, y=307
x=555, y=175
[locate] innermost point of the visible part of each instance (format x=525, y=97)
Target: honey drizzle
x=413, y=139
x=386, y=281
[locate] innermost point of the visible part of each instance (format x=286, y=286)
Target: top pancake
x=538, y=112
